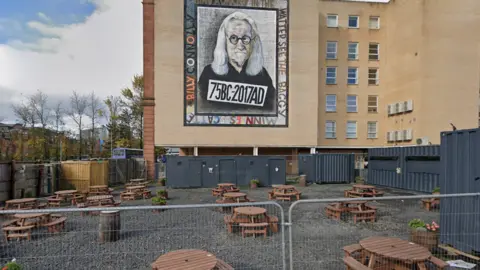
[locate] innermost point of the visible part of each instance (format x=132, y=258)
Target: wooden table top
x=25, y=216
x=66, y=192
x=135, y=187
x=186, y=259
x=395, y=248
x=99, y=186
x=355, y=202
x=285, y=187
x=225, y=185
x=24, y=200
x=99, y=197
x=234, y=195
x=361, y=186
x=250, y=211
x=137, y=180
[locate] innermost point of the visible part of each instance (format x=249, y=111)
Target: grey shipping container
x=327, y=168
x=415, y=168
x=460, y=217
x=208, y=171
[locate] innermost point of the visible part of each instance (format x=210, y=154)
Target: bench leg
x=298, y=197
x=274, y=227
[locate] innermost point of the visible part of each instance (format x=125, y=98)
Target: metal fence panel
x=122, y=170
x=414, y=168
x=460, y=174
x=144, y=234
x=207, y=171
x=5, y=181
x=316, y=241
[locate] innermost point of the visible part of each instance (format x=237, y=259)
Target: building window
x=331, y=75
x=372, y=130
x=352, y=75
x=352, y=103
x=353, y=21
x=331, y=103
x=331, y=50
x=330, y=129
x=332, y=20
x=352, y=50
x=351, y=129
x=372, y=104
x=373, y=51
x=372, y=76
x=374, y=22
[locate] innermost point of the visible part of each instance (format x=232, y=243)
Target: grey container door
x=276, y=171
x=209, y=175
x=195, y=173
x=227, y=171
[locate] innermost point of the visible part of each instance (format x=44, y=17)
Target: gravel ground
x=317, y=241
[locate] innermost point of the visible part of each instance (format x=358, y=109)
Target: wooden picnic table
x=185, y=259
x=99, y=187
x=250, y=212
x=224, y=185
x=19, y=203
x=98, y=199
x=235, y=196
x=399, y=251
x=363, y=187
x=284, y=192
x=43, y=218
x=138, y=187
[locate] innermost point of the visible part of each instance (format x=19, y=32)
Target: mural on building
x=236, y=63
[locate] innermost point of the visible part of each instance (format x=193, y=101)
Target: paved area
x=317, y=241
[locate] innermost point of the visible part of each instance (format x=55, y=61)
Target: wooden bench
x=351, y=250
x=438, y=263
x=217, y=191
x=18, y=232
x=127, y=196
x=353, y=264
x=287, y=196
x=54, y=202
x=56, y=225
x=355, y=194
x=346, y=193
x=42, y=205
x=378, y=193
x=333, y=212
x=9, y=223
x=221, y=265
x=254, y=228
x=273, y=221
x=366, y=215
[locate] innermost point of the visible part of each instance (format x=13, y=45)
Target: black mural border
x=287, y=71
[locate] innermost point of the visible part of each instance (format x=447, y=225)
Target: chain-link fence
x=135, y=236
x=400, y=232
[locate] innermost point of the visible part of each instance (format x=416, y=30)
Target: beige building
x=360, y=74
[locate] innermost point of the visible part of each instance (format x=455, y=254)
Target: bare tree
x=38, y=104
x=58, y=114
x=25, y=114
x=94, y=111
x=78, y=108
x=114, y=109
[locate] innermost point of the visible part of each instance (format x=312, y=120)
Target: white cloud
x=102, y=54
x=44, y=17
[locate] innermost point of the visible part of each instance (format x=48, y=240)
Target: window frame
x=372, y=54
x=369, y=133
x=348, y=134
x=356, y=76
x=336, y=20
x=358, y=21
x=370, y=21
x=327, y=105
x=333, y=133
x=377, y=76
x=356, y=50
x=327, y=52
x=351, y=106
x=371, y=107
x=334, y=78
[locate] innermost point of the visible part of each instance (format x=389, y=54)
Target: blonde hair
x=220, y=56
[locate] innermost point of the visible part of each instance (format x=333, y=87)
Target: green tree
x=132, y=113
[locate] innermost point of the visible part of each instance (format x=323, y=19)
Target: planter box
x=424, y=238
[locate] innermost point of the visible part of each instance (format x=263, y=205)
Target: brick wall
x=149, y=84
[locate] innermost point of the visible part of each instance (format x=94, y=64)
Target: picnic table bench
x=252, y=215
x=224, y=188
x=284, y=193
x=22, y=204
x=360, y=190
x=254, y=228
x=185, y=259
x=431, y=203
x=18, y=232
x=359, y=209
x=55, y=225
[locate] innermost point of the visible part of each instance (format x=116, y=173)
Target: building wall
x=303, y=85
x=428, y=54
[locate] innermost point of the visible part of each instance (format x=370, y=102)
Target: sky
x=58, y=46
